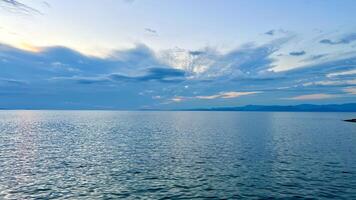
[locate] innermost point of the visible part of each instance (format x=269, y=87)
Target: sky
x=176, y=54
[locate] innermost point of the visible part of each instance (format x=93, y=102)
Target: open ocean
x=176, y=155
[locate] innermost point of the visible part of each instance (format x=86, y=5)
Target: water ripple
x=176, y=155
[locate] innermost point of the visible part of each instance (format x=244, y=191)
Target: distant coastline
x=350, y=107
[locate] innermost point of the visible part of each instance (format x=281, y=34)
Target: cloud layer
x=60, y=77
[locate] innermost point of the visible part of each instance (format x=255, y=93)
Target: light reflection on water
x=104, y=154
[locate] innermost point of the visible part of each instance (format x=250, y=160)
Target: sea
x=176, y=155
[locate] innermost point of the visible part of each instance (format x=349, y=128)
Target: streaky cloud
x=350, y=90
x=226, y=95
x=18, y=7
x=247, y=61
x=220, y=95
x=332, y=83
x=273, y=32
x=342, y=73
x=12, y=81
x=346, y=39
x=313, y=97
x=314, y=57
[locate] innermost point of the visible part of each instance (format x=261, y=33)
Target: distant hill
x=350, y=107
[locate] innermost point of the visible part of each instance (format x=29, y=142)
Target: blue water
x=173, y=155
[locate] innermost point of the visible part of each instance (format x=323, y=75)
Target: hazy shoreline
x=350, y=107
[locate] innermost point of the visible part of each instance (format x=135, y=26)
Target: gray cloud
x=151, y=31
x=196, y=53
x=297, y=53
x=270, y=32
x=166, y=75
x=275, y=32
x=163, y=75
x=346, y=39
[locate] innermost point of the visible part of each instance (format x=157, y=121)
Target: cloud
x=163, y=75
x=48, y=5
x=346, y=39
x=313, y=97
x=151, y=31
x=18, y=7
x=29, y=47
x=121, y=78
x=247, y=61
x=154, y=74
x=83, y=80
x=314, y=57
x=270, y=32
x=351, y=90
x=178, y=99
x=196, y=53
x=157, y=97
x=331, y=83
x=297, y=53
x=343, y=73
x=275, y=32
x=322, y=74
x=327, y=41
x=220, y=95
x=226, y=95
x=129, y=1
x=12, y=81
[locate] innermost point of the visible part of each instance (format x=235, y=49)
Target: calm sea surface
x=173, y=155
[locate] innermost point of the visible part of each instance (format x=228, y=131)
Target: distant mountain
x=350, y=107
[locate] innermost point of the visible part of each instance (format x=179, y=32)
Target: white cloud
x=313, y=97
x=332, y=83
x=221, y=95
x=350, y=72
x=157, y=97
x=178, y=99
x=245, y=61
x=196, y=63
x=226, y=95
x=351, y=90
